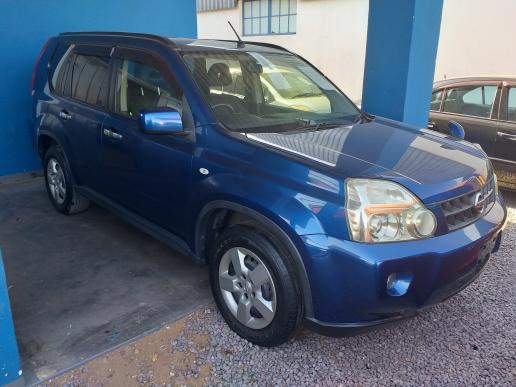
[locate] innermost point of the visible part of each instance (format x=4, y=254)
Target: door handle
x=431, y=124
x=63, y=114
x=112, y=134
x=507, y=136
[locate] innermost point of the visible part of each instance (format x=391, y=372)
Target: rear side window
x=471, y=100
x=89, y=79
x=83, y=77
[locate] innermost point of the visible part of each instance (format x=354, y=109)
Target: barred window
x=269, y=17
x=213, y=5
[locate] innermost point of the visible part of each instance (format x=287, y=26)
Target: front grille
x=465, y=209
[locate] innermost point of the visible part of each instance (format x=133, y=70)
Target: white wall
x=477, y=38
x=331, y=34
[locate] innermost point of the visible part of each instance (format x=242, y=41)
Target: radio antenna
x=240, y=43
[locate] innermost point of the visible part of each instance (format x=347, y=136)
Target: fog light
x=398, y=283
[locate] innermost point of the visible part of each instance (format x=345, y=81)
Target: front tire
x=255, y=288
x=58, y=181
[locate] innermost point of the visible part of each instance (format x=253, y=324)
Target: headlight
x=383, y=211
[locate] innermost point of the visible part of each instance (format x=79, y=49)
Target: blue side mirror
x=456, y=130
x=162, y=121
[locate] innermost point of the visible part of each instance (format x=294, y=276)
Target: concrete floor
x=84, y=284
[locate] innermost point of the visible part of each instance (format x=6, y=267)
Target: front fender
x=305, y=199
x=296, y=210
x=285, y=213
x=290, y=241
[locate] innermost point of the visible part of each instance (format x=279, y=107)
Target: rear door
x=504, y=151
x=147, y=173
x=81, y=81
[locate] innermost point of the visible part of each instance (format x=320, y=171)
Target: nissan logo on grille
x=480, y=202
x=465, y=209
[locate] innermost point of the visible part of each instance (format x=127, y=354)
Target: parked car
x=486, y=109
x=337, y=220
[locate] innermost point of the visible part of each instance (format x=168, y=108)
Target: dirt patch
x=152, y=360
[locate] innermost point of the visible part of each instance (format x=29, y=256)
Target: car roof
x=479, y=78
x=185, y=44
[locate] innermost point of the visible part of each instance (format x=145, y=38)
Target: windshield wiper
x=315, y=126
x=304, y=95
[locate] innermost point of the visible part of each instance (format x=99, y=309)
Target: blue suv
x=244, y=156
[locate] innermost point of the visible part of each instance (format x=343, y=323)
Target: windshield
x=259, y=91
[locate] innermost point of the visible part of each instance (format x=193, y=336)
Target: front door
x=474, y=107
x=148, y=174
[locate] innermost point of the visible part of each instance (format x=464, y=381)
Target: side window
x=470, y=100
x=142, y=86
x=82, y=77
x=437, y=97
x=511, y=104
x=89, y=79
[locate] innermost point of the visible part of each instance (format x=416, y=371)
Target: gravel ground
x=468, y=340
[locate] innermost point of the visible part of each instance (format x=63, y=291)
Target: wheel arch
x=44, y=142
x=45, y=139
x=220, y=208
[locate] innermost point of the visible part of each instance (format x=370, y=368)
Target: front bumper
x=349, y=280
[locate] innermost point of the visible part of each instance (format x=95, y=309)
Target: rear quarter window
x=60, y=65
x=511, y=104
x=435, y=103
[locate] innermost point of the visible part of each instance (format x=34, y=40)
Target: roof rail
x=157, y=38
x=270, y=45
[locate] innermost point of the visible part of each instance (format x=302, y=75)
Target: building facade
x=332, y=34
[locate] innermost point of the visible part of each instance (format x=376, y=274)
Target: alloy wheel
x=56, y=181
x=247, y=288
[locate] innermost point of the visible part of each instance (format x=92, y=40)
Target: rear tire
x=58, y=181
x=255, y=287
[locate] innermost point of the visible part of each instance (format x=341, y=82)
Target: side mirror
x=161, y=121
x=456, y=130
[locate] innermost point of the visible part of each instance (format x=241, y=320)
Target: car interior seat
x=451, y=103
x=219, y=77
x=149, y=89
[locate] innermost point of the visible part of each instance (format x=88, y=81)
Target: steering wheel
x=224, y=106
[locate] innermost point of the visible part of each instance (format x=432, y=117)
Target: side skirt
x=139, y=222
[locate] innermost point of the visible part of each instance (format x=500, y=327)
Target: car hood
x=433, y=166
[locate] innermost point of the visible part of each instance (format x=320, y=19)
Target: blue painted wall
x=402, y=40
x=9, y=358
x=24, y=28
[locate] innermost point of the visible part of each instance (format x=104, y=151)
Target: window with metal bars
x=269, y=17
x=214, y=5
